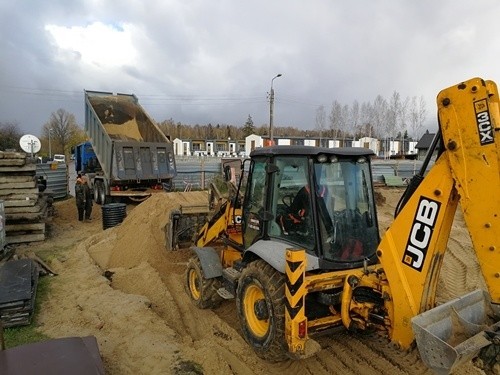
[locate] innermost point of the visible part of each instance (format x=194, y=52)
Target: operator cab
x=318, y=199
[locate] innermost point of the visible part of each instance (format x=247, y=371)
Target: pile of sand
x=141, y=236
x=126, y=131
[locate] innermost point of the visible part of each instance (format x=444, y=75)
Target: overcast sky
x=213, y=61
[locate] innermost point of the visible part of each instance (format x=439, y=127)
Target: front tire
x=202, y=291
x=260, y=301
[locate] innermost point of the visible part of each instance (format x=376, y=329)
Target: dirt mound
x=141, y=236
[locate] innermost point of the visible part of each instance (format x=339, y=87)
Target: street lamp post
x=50, y=148
x=271, y=108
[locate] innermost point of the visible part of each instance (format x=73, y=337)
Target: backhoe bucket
x=453, y=333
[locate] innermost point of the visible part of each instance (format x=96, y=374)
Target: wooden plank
x=11, y=162
x=26, y=191
x=12, y=155
x=41, y=263
x=15, y=178
x=25, y=227
x=19, y=197
x=28, y=216
x=19, y=203
x=39, y=206
x=17, y=185
x=25, y=238
x=24, y=168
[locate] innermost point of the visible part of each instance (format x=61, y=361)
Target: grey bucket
x=454, y=332
x=113, y=214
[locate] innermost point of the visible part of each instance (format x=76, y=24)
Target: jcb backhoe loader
x=302, y=251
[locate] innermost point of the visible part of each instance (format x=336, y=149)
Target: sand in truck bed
x=123, y=287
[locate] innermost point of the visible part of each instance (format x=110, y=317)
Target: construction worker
x=83, y=196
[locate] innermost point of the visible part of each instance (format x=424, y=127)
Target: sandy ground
x=145, y=323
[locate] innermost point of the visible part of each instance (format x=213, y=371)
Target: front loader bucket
x=453, y=333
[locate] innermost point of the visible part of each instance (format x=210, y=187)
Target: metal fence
x=401, y=168
x=57, y=178
x=197, y=173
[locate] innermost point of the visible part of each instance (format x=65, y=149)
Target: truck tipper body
x=127, y=155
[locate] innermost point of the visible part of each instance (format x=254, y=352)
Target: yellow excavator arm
x=466, y=173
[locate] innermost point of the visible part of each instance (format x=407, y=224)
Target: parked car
x=60, y=158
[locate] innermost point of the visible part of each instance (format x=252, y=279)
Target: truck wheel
x=100, y=193
x=97, y=195
x=260, y=301
x=203, y=292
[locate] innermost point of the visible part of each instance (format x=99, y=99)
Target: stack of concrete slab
x=18, y=285
x=25, y=207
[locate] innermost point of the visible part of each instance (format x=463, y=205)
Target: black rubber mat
x=18, y=284
x=70, y=355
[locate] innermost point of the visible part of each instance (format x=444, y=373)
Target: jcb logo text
x=421, y=233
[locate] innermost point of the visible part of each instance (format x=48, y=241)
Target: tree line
x=382, y=118
x=393, y=118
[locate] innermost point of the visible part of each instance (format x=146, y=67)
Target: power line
x=144, y=97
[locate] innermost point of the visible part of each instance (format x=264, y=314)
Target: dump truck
x=126, y=155
x=301, y=252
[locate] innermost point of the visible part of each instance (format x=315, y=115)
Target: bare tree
x=63, y=128
x=320, y=121
x=392, y=115
x=9, y=136
x=344, y=122
x=335, y=119
x=417, y=115
x=403, y=115
x=379, y=115
x=365, y=119
x=354, y=116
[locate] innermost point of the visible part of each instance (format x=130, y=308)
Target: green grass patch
x=16, y=336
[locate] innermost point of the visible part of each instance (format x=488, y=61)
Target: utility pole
x=271, y=109
x=50, y=148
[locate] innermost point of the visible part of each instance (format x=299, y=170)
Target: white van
x=60, y=158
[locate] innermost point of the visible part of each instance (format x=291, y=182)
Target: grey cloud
x=203, y=62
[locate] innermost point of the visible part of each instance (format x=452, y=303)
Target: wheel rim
x=194, y=284
x=254, y=303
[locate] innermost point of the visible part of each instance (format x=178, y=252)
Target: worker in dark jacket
x=83, y=195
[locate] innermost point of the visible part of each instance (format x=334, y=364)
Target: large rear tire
x=97, y=195
x=260, y=301
x=203, y=292
x=100, y=193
